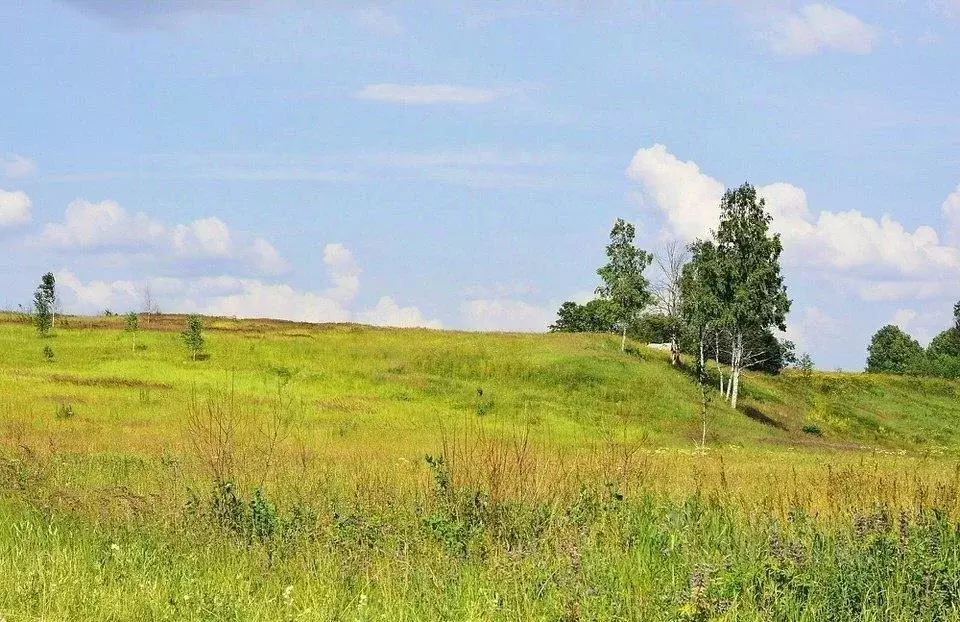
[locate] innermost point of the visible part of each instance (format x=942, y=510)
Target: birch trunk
x=623, y=340
x=736, y=364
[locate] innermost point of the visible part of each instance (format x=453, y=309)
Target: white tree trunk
x=623, y=340
x=736, y=362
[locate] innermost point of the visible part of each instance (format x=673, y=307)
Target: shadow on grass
x=761, y=417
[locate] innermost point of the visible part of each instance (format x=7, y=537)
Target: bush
x=48, y=354
x=65, y=411
x=812, y=428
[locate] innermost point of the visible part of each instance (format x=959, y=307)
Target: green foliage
x=48, y=354
x=43, y=304
x=652, y=328
x=805, y=365
x=596, y=316
x=749, y=284
x=812, y=428
x=893, y=351
x=192, y=336
x=131, y=322
x=624, y=284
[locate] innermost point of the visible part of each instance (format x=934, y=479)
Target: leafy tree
x=596, y=316
x=132, y=325
x=752, y=294
x=43, y=300
x=700, y=307
x=623, y=282
x=192, y=335
x=893, y=351
x=946, y=343
x=48, y=285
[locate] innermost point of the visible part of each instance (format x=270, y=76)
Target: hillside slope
x=397, y=390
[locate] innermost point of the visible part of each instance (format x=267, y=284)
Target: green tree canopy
x=624, y=284
x=596, y=316
x=892, y=351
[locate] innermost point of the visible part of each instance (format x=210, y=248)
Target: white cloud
x=922, y=325
x=343, y=271
x=267, y=259
x=206, y=237
x=506, y=315
x=817, y=27
x=247, y=297
x=388, y=313
x=13, y=165
x=264, y=300
x=881, y=257
x=430, y=94
x=105, y=224
x=687, y=198
x=14, y=208
x=951, y=211
x=814, y=329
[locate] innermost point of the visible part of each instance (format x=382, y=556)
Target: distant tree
x=805, y=365
x=132, y=325
x=652, y=328
x=596, y=316
x=192, y=335
x=668, y=295
x=623, y=282
x=752, y=293
x=892, y=351
x=946, y=343
x=700, y=303
x=48, y=284
x=43, y=300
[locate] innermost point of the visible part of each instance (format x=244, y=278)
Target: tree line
x=719, y=298
x=893, y=351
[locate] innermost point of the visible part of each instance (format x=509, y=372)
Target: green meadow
x=344, y=472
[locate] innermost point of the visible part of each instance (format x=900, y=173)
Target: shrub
x=812, y=428
x=48, y=354
x=65, y=411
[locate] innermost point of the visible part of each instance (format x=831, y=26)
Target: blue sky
x=460, y=164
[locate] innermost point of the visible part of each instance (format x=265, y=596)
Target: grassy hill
x=395, y=389
x=284, y=477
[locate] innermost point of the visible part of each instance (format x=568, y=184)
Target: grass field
x=346, y=472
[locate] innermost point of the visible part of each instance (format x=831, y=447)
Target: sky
x=460, y=164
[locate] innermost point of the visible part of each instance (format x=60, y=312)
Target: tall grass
x=346, y=473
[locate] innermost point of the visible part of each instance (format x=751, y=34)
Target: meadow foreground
x=351, y=473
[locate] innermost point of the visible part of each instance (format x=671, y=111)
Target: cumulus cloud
x=247, y=297
x=14, y=208
x=388, y=313
x=343, y=270
x=685, y=197
x=206, y=237
x=421, y=94
x=266, y=258
x=951, y=212
x=107, y=227
x=499, y=314
x=922, y=325
x=817, y=27
x=13, y=165
x=882, y=258
x=88, y=225
x=814, y=328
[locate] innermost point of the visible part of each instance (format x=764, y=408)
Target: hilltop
x=397, y=389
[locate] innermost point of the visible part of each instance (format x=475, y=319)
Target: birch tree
x=624, y=284
x=668, y=294
x=752, y=293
